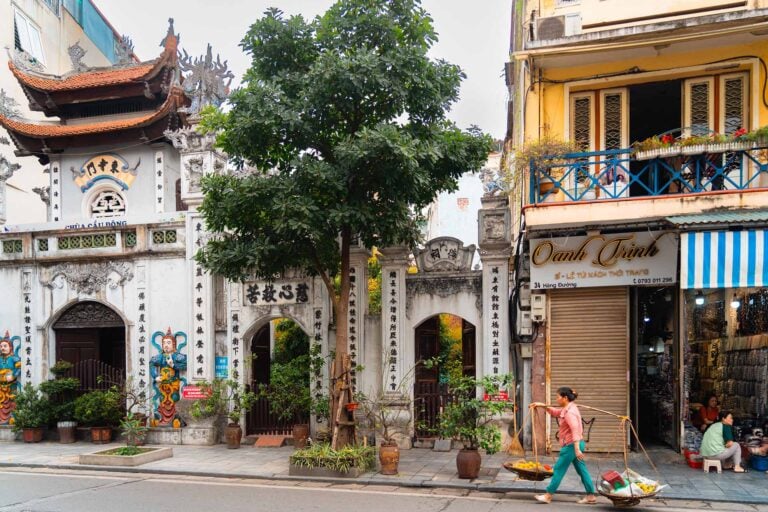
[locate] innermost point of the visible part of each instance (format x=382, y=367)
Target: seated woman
x=707, y=414
x=718, y=442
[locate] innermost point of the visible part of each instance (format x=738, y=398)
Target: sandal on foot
x=587, y=500
x=739, y=469
x=543, y=498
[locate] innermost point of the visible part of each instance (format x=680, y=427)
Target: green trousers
x=566, y=458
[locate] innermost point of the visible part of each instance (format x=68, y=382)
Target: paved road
x=59, y=491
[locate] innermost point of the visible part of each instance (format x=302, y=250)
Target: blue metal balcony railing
x=617, y=174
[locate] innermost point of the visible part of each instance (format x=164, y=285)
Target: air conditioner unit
x=552, y=27
x=538, y=307
x=524, y=324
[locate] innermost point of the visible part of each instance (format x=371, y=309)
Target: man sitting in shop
x=718, y=443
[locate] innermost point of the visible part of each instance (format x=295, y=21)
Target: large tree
x=344, y=117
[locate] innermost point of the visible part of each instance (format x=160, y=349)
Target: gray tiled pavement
x=418, y=468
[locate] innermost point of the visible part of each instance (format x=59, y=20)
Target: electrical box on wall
x=538, y=307
x=525, y=294
x=524, y=324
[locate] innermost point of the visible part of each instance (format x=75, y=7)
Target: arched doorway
x=279, y=348
x=91, y=336
x=449, y=340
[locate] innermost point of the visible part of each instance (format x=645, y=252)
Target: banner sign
x=193, y=393
x=618, y=259
x=222, y=367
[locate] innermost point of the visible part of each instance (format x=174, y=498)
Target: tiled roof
x=86, y=80
x=722, y=217
x=42, y=131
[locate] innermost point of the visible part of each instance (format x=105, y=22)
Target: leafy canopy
x=344, y=117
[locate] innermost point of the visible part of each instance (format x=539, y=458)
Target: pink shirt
x=571, y=427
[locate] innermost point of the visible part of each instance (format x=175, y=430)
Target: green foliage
x=215, y=401
x=134, y=429
x=349, y=136
x=540, y=152
x=468, y=419
x=61, y=368
x=318, y=455
x=288, y=389
x=374, y=284
x=33, y=409
x=290, y=341
x=127, y=451
x=99, y=408
x=451, y=355
x=61, y=393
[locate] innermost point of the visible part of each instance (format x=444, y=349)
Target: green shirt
x=715, y=438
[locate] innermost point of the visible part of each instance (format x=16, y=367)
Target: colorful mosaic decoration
x=165, y=369
x=10, y=371
x=105, y=167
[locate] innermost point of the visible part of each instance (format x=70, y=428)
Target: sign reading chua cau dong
x=618, y=259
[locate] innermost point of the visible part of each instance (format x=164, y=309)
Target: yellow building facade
x=639, y=277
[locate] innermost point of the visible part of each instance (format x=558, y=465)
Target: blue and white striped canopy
x=724, y=259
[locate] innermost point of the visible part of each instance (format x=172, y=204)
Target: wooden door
x=75, y=345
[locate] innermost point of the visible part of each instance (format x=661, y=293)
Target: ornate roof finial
x=7, y=168
x=8, y=106
x=207, y=82
x=124, y=51
x=44, y=193
x=171, y=40
x=76, y=54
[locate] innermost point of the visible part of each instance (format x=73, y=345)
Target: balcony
x=622, y=185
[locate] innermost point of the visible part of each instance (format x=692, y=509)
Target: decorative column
x=198, y=158
x=358, y=302
x=28, y=367
x=495, y=250
x=394, y=266
x=142, y=348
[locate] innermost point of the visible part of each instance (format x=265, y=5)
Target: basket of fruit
x=627, y=489
x=529, y=470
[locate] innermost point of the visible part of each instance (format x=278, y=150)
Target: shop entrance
x=91, y=336
x=450, y=340
x=279, y=351
x=655, y=366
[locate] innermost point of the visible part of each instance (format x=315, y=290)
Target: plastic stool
x=712, y=463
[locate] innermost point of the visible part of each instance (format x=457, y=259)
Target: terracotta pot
x=66, y=431
x=32, y=435
x=101, y=435
x=468, y=463
x=300, y=435
x=389, y=458
x=234, y=435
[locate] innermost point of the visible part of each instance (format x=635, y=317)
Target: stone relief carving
x=124, y=51
x=207, y=82
x=193, y=168
x=492, y=184
x=90, y=277
x=44, y=193
x=76, y=54
x=24, y=60
x=494, y=227
x=189, y=140
x=443, y=286
x=444, y=254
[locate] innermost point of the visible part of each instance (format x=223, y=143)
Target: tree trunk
x=346, y=433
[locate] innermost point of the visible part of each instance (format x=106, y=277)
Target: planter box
x=104, y=458
x=323, y=472
x=7, y=435
x=164, y=435
x=657, y=153
x=199, y=436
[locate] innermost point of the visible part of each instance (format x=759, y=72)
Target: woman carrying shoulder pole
x=571, y=435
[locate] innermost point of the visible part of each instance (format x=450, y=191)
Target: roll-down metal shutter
x=589, y=352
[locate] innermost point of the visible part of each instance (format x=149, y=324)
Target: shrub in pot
x=288, y=394
x=32, y=413
x=468, y=419
x=386, y=412
x=134, y=429
x=61, y=393
x=101, y=411
x=240, y=401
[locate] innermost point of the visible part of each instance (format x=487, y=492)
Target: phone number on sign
x=653, y=280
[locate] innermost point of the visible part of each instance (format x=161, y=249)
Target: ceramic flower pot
x=468, y=463
x=389, y=458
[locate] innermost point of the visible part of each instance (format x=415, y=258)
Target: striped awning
x=724, y=259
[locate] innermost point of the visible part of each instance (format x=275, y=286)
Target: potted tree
x=289, y=395
x=134, y=429
x=240, y=401
x=468, y=419
x=389, y=415
x=32, y=413
x=61, y=393
x=101, y=411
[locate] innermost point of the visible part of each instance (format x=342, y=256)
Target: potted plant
x=203, y=412
x=33, y=410
x=61, y=393
x=468, y=419
x=240, y=401
x=134, y=429
x=390, y=415
x=289, y=395
x=101, y=411
x=543, y=156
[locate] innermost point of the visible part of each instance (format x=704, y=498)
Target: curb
x=369, y=480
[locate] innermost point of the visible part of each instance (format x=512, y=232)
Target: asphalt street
x=60, y=491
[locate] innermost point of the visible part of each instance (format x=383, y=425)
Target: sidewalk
x=418, y=468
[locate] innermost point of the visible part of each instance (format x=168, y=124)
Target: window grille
x=129, y=238
x=734, y=105
x=582, y=122
x=107, y=204
x=164, y=237
x=11, y=246
x=86, y=241
x=613, y=121
x=700, y=108
x=42, y=244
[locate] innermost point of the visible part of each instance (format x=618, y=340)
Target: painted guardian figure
x=10, y=371
x=165, y=369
